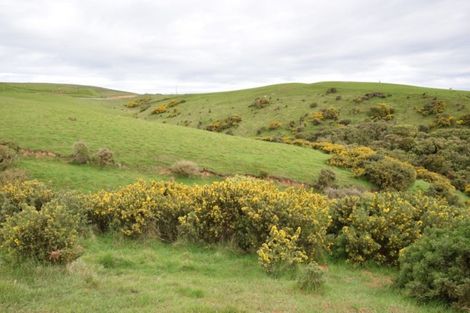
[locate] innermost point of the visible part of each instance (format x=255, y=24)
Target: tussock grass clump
x=81, y=153
x=7, y=157
x=311, y=277
x=185, y=168
x=103, y=157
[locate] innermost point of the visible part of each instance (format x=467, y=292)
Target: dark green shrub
x=437, y=266
x=103, y=157
x=390, y=174
x=440, y=190
x=50, y=234
x=326, y=179
x=331, y=90
x=81, y=154
x=310, y=277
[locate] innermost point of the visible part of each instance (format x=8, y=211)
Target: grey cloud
x=153, y=46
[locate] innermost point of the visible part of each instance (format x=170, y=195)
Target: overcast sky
x=205, y=45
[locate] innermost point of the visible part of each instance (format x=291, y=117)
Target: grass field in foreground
x=117, y=275
x=53, y=121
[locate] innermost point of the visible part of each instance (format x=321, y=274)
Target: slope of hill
x=292, y=104
x=53, y=117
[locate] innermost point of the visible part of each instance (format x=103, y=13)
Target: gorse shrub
x=281, y=252
x=437, y=266
x=81, y=153
x=330, y=114
x=185, y=168
x=443, y=120
x=142, y=208
x=16, y=194
x=390, y=174
x=261, y=102
x=274, y=125
x=142, y=101
x=376, y=227
x=12, y=175
x=432, y=108
x=345, y=156
x=162, y=108
x=243, y=211
x=381, y=111
x=50, y=234
x=221, y=125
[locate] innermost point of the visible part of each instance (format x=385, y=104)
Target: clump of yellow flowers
x=378, y=226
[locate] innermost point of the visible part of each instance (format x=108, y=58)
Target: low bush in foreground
x=438, y=266
x=50, y=234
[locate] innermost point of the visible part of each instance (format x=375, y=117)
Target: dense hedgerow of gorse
x=289, y=229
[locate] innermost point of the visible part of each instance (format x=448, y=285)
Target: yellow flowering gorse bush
x=16, y=193
x=281, y=252
x=378, y=226
x=142, y=208
x=244, y=210
x=50, y=234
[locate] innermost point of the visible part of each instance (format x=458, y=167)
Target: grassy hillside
x=289, y=102
x=53, y=117
x=118, y=275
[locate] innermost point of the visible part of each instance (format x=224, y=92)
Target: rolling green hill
x=52, y=117
x=288, y=103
